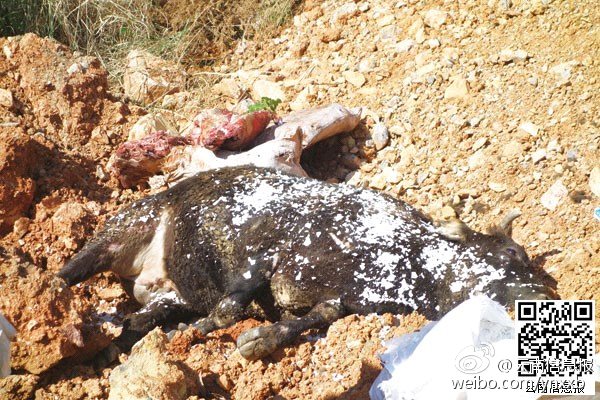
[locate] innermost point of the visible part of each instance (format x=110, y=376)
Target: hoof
x=171, y=334
x=258, y=342
x=204, y=325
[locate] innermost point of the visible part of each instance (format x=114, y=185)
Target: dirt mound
x=52, y=322
x=18, y=158
x=57, y=132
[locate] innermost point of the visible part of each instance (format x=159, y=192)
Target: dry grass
x=186, y=31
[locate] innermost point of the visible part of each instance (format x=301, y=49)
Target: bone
x=315, y=124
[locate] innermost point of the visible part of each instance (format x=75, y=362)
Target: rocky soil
x=470, y=110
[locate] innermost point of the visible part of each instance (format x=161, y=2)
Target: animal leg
x=232, y=306
x=259, y=342
x=229, y=310
x=138, y=324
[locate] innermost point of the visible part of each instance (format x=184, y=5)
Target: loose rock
x=381, y=136
x=354, y=78
x=529, y=127
x=435, y=18
x=497, y=187
x=265, y=88
x=150, y=372
x=554, y=196
x=6, y=98
x=458, y=89
x=595, y=181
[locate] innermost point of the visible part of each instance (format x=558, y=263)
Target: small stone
x=533, y=81
x=6, y=98
x=392, y=175
x=497, y=187
x=433, y=43
x=475, y=121
x=554, y=196
x=571, y=155
x=385, y=20
x=331, y=34
x=516, y=56
x=563, y=71
x=354, y=78
x=479, y=143
x=366, y=65
x=150, y=372
x=381, y=136
x=435, y=18
x=345, y=11
x=405, y=45
x=538, y=156
x=74, y=68
x=457, y=89
x=264, y=88
x=378, y=182
x=594, y=181
x=101, y=174
x=21, y=227
x=477, y=159
x=529, y=127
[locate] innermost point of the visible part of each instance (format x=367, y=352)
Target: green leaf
x=265, y=103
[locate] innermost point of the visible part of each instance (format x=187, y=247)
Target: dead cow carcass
x=218, y=240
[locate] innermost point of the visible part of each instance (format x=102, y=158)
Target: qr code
x=555, y=338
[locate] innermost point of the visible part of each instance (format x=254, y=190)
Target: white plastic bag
x=424, y=364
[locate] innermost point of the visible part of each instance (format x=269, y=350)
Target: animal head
x=517, y=279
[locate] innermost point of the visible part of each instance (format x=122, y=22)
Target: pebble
x=380, y=136
x=265, y=88
x=457, y=89
x=21, y=227
x=529, y=127
x=571, y=155
x=392, y=175
x=479, y=143
x=354, y=78
x=345, y=11
x=532, y=81
x=433, y=43
x=378, y=182
x=559, y=169
x=385, y=20
x=6, y=98
x=512, y=149
x=594, y=181
x=554, y=196
x=475, y=121
x=516, y=56
x=563, y=71
x=366, y=65
x=477, y=159
x=497, y=187
x=435, y=18
x=538, y=156
x=406, y=45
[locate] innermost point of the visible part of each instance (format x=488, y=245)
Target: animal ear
x=505, y=226
x=454, y=230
